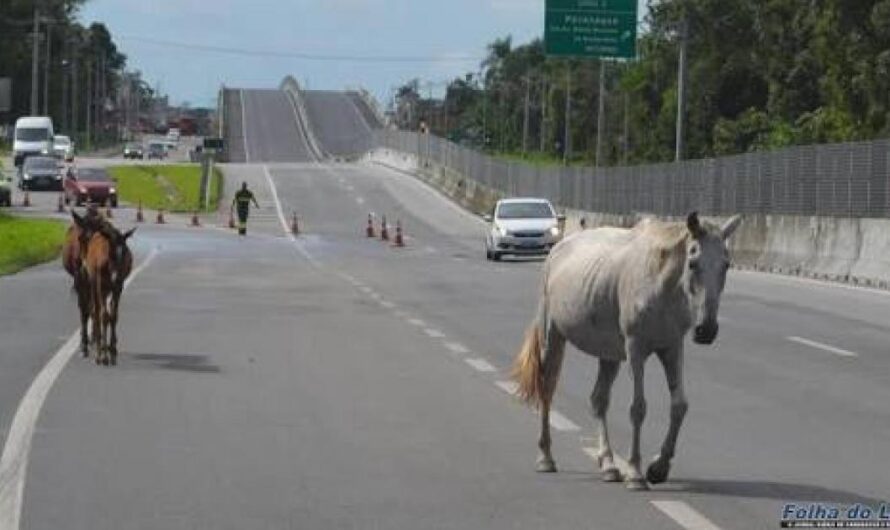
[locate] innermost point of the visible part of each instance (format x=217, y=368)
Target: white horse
x=622, y=294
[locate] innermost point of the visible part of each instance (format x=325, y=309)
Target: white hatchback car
x=522, y=227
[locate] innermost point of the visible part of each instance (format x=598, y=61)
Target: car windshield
x=41, y=163
x=92, y=175
x=62, y=140
x=133, y=147
x=31, y=134
x=525, y=210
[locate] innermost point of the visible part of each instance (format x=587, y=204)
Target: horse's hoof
x=636, y=484
x=658, y=471
x=546, y=466
x=611, y=475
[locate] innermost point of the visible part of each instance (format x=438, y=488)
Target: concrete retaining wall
x=855, y=251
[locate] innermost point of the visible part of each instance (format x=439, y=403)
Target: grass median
x=27, y=242
x=174, y=188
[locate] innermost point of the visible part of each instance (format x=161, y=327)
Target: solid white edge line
x=17, y=449
x=685, y=515
x=457, y=347
x=416, y=322
x=561, y=423
x=283, y=220
x=509, y=387
x=481, y=365
x=824, y=347
x=244, y=127
x=434, y=333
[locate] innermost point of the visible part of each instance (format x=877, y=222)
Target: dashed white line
x=360, y=200
x=509, y=387
x=387, y=305
x=457, y=347
x=434, y=333
x=481, y=365
x=685, y=515
x=309, y=257
x=561, y=423
x=824, y=347
x=417, y=322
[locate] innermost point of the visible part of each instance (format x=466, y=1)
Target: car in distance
x=173, y=135
x=33, y=137
x=63, y=147
x=133, y=151
x=5, y=189
x=40, y=172
x=90, y=185
x=522, y=227
x=156, y=150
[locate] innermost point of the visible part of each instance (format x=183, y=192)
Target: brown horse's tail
x=527, y=367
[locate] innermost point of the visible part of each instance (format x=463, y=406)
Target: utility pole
x=528, y=89
x=89, y=108
x=75, y=96
x=626, y=135
x=35, y=70
x=567, y=140
x=681, y=88
x=484, y=113
x=543, y=131
x=601, y=114
x=46, y=71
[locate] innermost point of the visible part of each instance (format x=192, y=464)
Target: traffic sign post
x=591, y=28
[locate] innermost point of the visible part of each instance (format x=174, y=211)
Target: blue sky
x=436, y=30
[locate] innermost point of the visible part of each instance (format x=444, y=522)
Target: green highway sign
x=591, y=28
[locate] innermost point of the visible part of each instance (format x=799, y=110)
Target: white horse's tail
x=527, y=367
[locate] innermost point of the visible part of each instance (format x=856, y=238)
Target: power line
x=305, y=56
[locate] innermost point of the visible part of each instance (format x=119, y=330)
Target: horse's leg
x=637, y=355
x=95, y=293
x=83, y=302
x=672, y=360
x=554, y=348
x=599, y=401
x=112, y=317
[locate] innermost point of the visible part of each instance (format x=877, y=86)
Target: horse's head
x=707, y=260
x=117, y=242
x=87, y=225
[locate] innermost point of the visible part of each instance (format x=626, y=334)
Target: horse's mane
x=666, y=245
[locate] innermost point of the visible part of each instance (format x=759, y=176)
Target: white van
x=33, y=136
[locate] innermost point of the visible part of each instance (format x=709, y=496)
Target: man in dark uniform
x=242, y=202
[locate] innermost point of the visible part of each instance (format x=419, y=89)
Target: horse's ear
x=694, y=225
x=127, y=235
x=730, y=227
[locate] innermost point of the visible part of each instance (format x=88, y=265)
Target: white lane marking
x=350, y=188
x=417, y=322
x=387, y=305
x=367, y=290
x=14, y=461
x=431, y=250
x=685, y=515
x=593, y=453
x=559, y=422
x=360, y=200
x=481, y=365
x=457, y=347
x=824, y=347
x=244, y=127
x=509, y=387
x=434, y=333
x=283, y=220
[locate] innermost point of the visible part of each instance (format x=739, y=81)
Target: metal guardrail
x=834, y=180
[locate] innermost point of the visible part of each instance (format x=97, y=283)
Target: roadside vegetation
x=762, y=75
x=174, y=188
x=27, y=242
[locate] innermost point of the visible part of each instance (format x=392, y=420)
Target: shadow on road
x=177, y=362
x=755, y=489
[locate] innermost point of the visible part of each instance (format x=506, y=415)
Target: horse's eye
x=693, y=265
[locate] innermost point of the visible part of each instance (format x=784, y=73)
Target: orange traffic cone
x=399, y=242
x=140, y=217
x=160, y=219
x=384, y=232
x=195, y=221
x=60, y=208
x=295, y=225
x=26, y=201
x=369, y=231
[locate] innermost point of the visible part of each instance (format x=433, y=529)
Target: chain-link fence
x=835, y=180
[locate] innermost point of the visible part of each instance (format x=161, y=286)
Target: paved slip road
x=336, y=382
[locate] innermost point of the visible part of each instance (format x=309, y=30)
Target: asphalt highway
x=333, y=381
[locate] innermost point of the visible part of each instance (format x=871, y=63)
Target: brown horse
x=108, y=262
x=73, y=252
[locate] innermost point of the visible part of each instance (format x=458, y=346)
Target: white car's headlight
x=554, y=231
x=112, y=191
x=26, y=176
x=502, y=231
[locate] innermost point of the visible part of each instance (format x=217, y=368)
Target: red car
x=90, y=185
